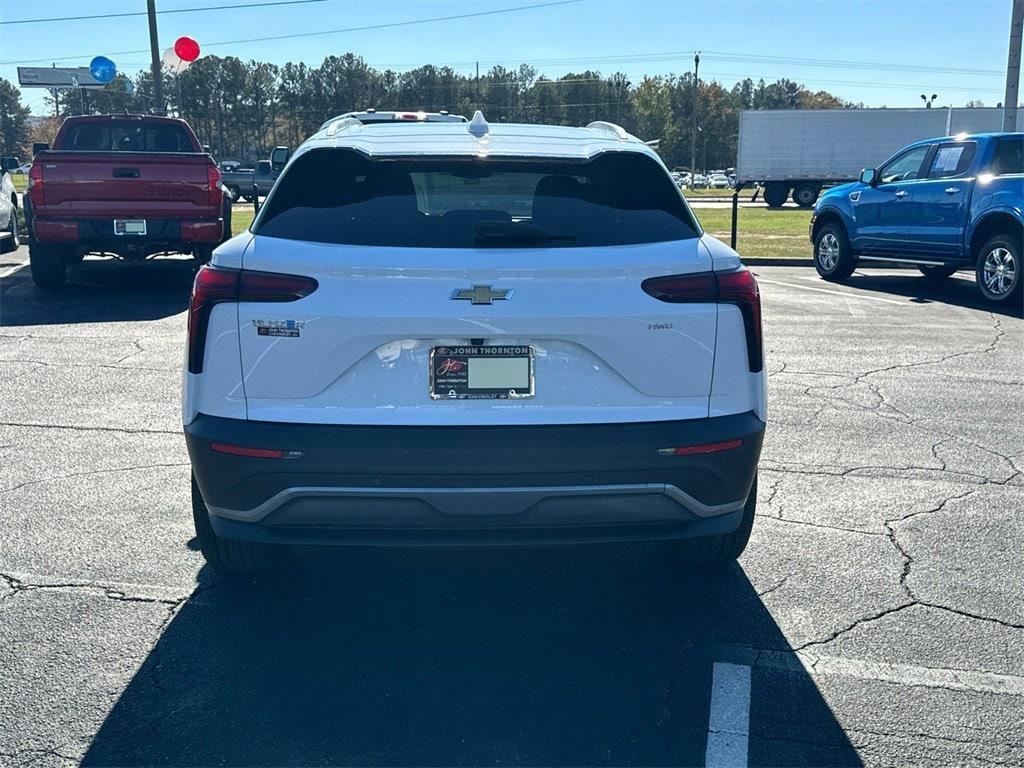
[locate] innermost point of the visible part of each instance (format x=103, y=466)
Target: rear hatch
x=424, y=265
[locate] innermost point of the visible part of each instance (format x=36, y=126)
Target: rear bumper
x=100, y=232
x=476, y=485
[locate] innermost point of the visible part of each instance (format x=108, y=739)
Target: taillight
x=215, y=285
x=35, y=184
x=216, y=188
x=738, y=288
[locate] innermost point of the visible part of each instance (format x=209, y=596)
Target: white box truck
x=799, y=151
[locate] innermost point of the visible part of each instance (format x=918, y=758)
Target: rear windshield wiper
x=503, y=231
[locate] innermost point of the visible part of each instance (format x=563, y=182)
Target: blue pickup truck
x=943, y=204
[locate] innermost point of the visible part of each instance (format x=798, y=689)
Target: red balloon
x=186, y=48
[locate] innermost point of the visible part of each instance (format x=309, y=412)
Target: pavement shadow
x=960, y=290
x=100, y=291
x=560, y=656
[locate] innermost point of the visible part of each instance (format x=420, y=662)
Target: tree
x=13, y=124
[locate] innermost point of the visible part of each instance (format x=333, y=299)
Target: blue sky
x=881, y=52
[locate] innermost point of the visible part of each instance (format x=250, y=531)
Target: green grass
x=761, y=232
x=20, y=182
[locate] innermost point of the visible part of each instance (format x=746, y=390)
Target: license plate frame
x=130, y=227
x=450, y=372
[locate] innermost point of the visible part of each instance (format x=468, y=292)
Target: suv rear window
x=339, y=196
x=127, y=137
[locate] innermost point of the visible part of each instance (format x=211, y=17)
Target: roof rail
x=616, y=130
x=339, y=124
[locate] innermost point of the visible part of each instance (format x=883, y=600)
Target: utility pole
x=696, y=95
x=1013, y=67
x=154, y=50
x=476, y=87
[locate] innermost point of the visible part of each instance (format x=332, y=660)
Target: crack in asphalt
x=115, y=365
x=18, y=585
x=83, y=428
x=52, y=478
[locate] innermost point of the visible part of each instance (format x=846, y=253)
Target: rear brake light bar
x=215, y=187
x=216, y=285
x=738, y=288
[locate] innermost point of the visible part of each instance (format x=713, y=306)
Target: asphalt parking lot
x=876, y=616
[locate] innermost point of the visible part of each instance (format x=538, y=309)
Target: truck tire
x=775, y=194
x=235, y=194
x=47, y=264
x=202, y=253
x=726, y=547
x=937, y=273
x=806, y=195
x=998, y=269
x=833, y=256
x=9, y=244
x=222, y=554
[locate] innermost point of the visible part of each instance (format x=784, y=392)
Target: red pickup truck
x=130, y=186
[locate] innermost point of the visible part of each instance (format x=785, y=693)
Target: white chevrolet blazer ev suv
x=466, y=334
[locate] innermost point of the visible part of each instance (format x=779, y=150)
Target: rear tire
x=222, y=554
x=806, y=195
x=937, y=273
x=48, y=265
x=725, y=548
x=775, y=194
x=202, y=253
x=998, y=269
x=833, y=256
x=10, y=244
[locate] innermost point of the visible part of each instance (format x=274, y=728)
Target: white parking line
x=844, y=294
x=11, y=270
x=729, y=718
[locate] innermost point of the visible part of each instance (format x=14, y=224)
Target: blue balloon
x=102, y=69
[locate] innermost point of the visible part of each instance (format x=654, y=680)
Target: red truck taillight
x=215, y=285
x=216, y=190
x=35, y=184
x=738, y=288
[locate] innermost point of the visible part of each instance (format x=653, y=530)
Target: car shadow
x=960, y=290
x=560, y=656
x=100, y=291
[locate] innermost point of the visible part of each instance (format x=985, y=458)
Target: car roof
x=476, y=138
x=967, y=137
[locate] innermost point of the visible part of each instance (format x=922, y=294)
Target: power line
x=320, y=33
x=172, y=10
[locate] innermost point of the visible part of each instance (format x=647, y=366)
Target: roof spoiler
x=615, y=130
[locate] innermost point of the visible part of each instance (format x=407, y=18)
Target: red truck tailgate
x=126, y=184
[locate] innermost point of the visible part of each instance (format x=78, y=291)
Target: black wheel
x=224, y=555
x=806, y=195
x=998, y=269
x=9, y=244
x=775, y=194
x=937, y=273
x=235, y=195
x=833, y=257
x=47, y=264
x=202, y=253
x=715, y=550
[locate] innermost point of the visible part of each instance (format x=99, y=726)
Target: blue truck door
x=884, y=211
x=941, y=200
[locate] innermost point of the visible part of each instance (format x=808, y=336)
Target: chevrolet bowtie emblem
x=481, y=294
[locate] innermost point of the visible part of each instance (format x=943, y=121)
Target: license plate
x=481, y=373
x=129, y=226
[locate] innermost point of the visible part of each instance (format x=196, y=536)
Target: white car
x=9, y=236
x=719, y=181
x=699, y=181
x=463, y=334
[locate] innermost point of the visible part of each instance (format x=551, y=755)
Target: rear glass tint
x=339, y=196
x=1008, y=157
x=127, y=137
